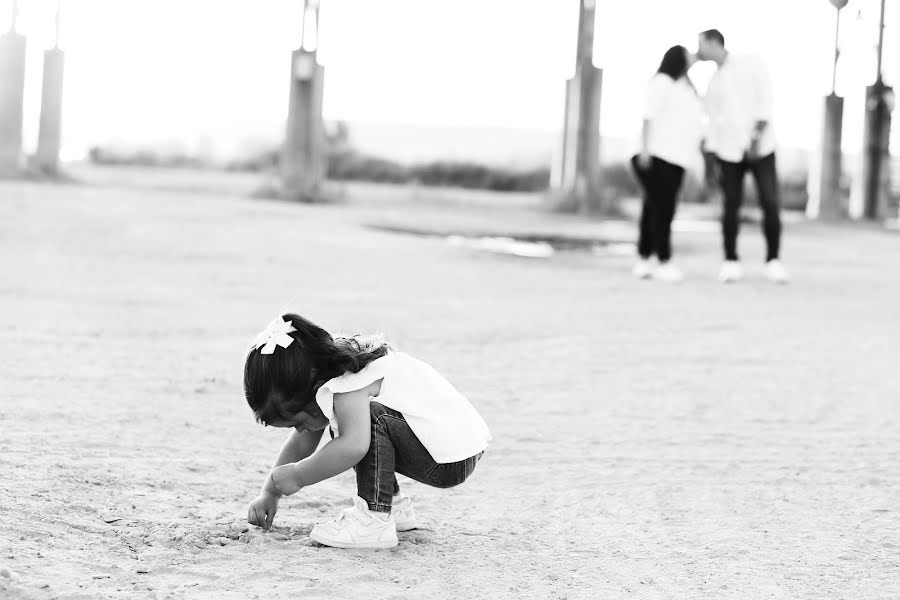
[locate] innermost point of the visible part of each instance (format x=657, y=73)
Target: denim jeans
x=766, y=177
x=661, y=183
x=394, y=448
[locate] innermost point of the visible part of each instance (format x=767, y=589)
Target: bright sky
x=214, y=72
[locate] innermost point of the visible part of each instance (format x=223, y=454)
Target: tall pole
x=837, y=51
x=317, y=21
x=578, y=167
x=50, y=129
x=12, y=96
x=56, y=25
x=826, y=199
x=303, y=23
x=880, y=41
x=303, y=154
x=876, y=138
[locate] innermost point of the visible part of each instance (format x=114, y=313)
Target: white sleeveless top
x=443, y=419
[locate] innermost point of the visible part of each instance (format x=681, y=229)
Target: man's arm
x=765, y=101
x=644, y=153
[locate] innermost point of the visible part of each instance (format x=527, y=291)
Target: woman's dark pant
x=766, y=177
x=394, y=448
x=661, y=183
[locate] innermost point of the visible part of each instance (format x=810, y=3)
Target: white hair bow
x=275, y=334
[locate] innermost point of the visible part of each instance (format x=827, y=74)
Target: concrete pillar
x=303, y=154
x=580, y=167
x=577, y=172
x=826, y=200
x=12, y=95
x=50, y=132
x=876, y=150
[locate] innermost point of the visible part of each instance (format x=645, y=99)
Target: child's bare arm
x=297, y=447
x=352, y=413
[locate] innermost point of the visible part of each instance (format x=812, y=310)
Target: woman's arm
x=645, y=137
x=297, y=447
x=354, y=422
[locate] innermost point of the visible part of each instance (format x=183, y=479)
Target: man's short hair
x=714, y=35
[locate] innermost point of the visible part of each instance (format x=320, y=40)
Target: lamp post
x=50, y=130
x=838, y=5
x=577, y=171
x=303, y=153
x=876, y=137
x=826, y=200
x=12, y=96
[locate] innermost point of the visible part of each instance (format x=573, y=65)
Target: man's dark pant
x=394, y=448
x=732, y=181
x=661, y=183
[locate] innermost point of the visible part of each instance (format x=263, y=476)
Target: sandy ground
x=698, y=441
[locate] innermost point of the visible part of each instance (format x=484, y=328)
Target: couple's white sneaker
x=775, y=271
x=666, y=272
x=643, y=269
x=731, y=272
x=359, y=527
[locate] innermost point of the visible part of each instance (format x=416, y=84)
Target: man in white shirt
x=740, y=135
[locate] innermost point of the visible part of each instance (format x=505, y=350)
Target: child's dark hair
x=295, y=373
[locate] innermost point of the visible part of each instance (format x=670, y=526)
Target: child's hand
x=262, y=511
x=285, y=479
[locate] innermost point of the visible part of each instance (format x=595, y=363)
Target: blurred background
x=205, y=82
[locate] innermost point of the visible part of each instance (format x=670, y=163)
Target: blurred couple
x=732, y=127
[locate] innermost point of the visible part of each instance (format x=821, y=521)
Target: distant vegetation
x=353, y=166
x=144, y=158
x=345, y=163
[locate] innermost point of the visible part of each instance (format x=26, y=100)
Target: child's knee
x=452, y=474
x=447, y=480
x=444, y=484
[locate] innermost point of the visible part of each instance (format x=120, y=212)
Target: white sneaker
x=731, y=271
x=776, y=273
x=668, y=273
x=357, y=527
x=403, y=513
x=643, y=269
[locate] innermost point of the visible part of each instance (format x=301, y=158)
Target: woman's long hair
x=674, y=63
x=279, y=385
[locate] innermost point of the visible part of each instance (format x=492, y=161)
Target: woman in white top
x=670, y=142
x=387, y=411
